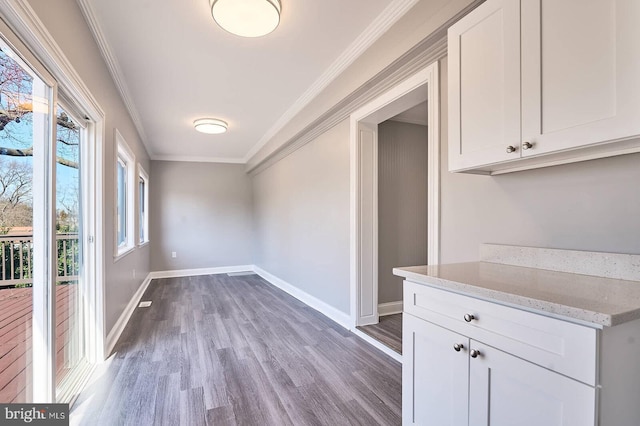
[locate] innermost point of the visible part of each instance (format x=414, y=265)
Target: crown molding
x=114, y=69
x=227, y=160
x=389, y=16
x=432, y=48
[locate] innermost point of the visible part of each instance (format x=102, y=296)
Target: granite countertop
x=597, y=300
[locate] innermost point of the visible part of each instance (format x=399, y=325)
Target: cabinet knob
x=511, y=149
x=458, y=347
x=469, y=317
x=527, y=145
x=474, y=353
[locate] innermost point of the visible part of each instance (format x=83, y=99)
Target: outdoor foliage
x=16, y=115
x=15, y=195
x=17, y=106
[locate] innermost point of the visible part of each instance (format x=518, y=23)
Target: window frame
x=143, y=208
x=125, y=155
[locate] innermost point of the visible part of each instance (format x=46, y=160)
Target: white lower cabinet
x=472, y=362
x=452, y=380
x=507, y=391
x=435, y=378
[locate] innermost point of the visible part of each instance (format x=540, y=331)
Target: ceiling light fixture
x=246, y=18
x=211, y=126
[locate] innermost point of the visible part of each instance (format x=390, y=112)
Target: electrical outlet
x=174, y=254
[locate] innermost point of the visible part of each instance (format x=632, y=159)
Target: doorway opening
x=373, y=203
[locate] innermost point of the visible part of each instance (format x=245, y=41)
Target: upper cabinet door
x=484, y=85
x=580, y=72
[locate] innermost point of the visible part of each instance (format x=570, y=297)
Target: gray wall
x=69, y=30
x=402, y=203
x=202, y=211
x=301, y=216
x=302, y=211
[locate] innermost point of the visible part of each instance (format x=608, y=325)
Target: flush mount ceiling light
x=246, y=18
x=211, y=126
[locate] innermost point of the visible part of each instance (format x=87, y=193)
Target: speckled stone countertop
x=596, y=300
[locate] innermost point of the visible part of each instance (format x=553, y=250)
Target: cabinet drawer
x=558, y=345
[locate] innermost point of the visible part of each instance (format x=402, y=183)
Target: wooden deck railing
x=16, y=259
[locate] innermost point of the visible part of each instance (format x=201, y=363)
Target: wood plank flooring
x=388, y=331
x=220, y=350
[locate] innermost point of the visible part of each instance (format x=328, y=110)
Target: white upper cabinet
x=580, y=73
x=543, y=82
x=484, y=84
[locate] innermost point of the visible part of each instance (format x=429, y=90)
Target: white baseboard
x=389, y=308
x=378, y=345
x=200, y=271
x=118, y=328
x=317, y=304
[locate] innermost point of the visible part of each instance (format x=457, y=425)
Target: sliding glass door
x=43, y=289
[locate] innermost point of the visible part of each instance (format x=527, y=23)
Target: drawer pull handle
x=458, y=347
x=469, y=317
x=474, y=353
x=511, y=149
x=527, y=145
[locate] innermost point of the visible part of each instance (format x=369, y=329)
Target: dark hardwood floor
x=223, y=350
x=387, y=331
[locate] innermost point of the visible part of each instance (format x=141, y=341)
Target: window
x=122, y=202
x=143, y=206
x=125, y=189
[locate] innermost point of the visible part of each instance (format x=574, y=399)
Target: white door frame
x=424, y=85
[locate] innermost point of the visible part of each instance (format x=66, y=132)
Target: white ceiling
x=416, y=115
x=173, y=64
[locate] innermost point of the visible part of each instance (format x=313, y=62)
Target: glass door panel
x=69, y=334
x=24, y=133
